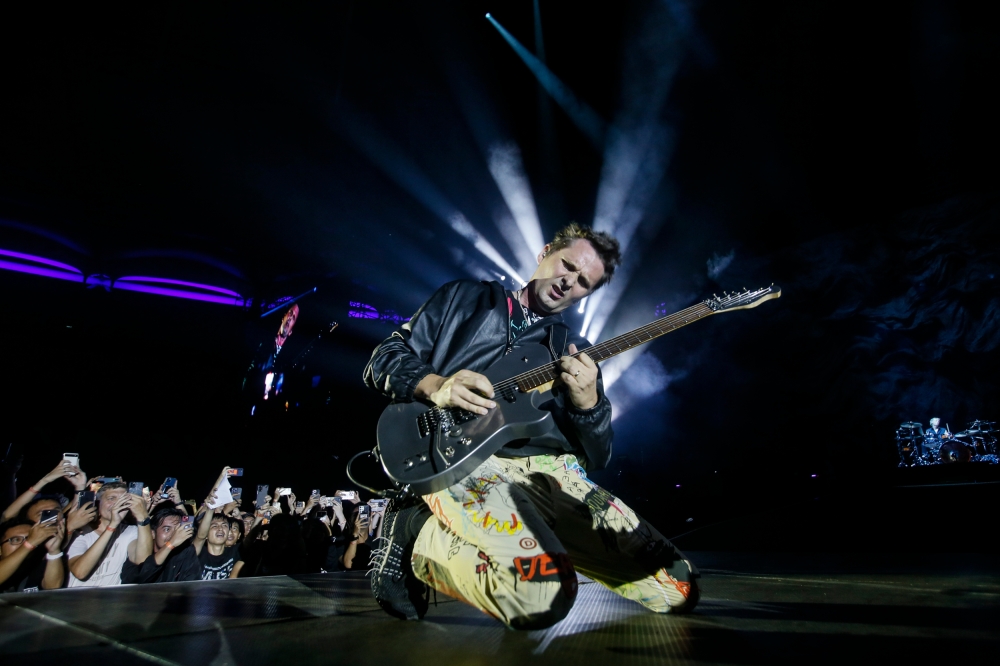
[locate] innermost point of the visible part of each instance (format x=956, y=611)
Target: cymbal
x=909, y=424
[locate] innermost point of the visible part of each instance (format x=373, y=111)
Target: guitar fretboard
x=605, y=350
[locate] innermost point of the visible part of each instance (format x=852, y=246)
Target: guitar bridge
x=447, y=418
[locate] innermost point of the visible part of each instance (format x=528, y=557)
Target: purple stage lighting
x=150, y=285
x=39, y=266
x=35, y=265
x=365, y=311
x=362, y=311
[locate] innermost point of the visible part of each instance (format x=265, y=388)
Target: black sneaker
x=396, y=588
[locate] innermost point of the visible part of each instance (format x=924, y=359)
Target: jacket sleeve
x=592, y=428
x=399, y=363
x=147, y=572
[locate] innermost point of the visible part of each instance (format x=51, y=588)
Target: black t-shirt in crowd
x=28, y=577
x=181, y=565
x=218, y=567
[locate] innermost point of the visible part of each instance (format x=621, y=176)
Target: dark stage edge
x=755, y=609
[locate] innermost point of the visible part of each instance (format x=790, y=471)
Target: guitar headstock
x=742, y=300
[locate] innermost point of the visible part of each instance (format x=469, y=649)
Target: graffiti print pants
x=510, y=537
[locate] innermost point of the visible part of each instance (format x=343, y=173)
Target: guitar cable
x=380, y=493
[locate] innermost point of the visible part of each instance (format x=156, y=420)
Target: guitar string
x=545, y=372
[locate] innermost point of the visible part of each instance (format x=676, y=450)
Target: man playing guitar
x=509, y=537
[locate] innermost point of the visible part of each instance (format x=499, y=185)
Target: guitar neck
x=604, y=350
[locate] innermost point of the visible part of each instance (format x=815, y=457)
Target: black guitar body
x=429, y=448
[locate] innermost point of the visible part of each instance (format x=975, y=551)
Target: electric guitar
x=429, y=448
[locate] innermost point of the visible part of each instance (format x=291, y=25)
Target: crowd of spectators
x=102, y=531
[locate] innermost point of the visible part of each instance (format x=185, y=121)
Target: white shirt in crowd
x=109, y=571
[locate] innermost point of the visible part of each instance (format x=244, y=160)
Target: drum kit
x=977, y=443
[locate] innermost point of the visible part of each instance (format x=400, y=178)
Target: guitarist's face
x=564, y=277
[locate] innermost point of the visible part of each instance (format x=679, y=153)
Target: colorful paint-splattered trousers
x=510, y=537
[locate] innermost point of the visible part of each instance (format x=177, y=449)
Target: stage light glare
x=505, y=166
x=585, y=118
x=465, y=229
x=405, y=172
x=488, y=15
x=637, y=152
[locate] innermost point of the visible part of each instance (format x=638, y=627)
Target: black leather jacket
x=464, y=327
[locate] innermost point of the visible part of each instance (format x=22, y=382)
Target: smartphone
x=266, y=519
x=300, y=505
x=169, y=483
x=109, y=479
x=237, y=493
x=186, y=520
x=314, y=494
x=262, y=495
x=364, y=512
x=378, y=505
x=85, y=496
x=234, y=471
x=285, y=491
x=348, y=494
x=135, y=488
x=324, y=501
x=337, y=500
x=72, y=459
x=48, y=516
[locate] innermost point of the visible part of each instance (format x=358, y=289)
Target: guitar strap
x=558, y=335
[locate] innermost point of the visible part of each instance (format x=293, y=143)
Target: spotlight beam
x=403, y=171
x=585, y=118
x=508, y=173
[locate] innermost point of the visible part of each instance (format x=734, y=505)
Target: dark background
x=844, y=151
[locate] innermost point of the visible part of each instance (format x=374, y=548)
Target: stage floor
x=755, y=609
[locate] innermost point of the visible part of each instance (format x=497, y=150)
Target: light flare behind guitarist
x=509, y=538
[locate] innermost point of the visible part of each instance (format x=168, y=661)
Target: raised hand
x=42, y=532
x=121, y=509
x=338, y=512
x=57, y=473
x=55, y=545
x=75, y=475
x=174, y=495
x=80, y=516
x=361, y=529
x=183, y=532
x=138, y=508
x=210, y=500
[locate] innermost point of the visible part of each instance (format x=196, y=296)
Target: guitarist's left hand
x=580, y=377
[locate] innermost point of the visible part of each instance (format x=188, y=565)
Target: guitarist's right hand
x=463, y=389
